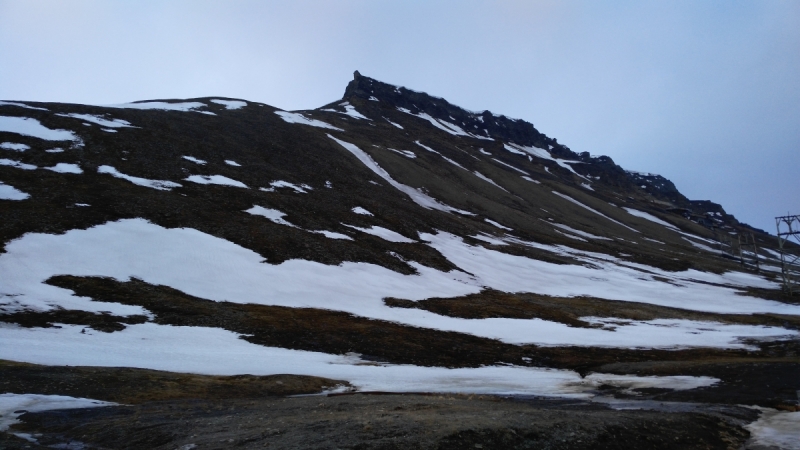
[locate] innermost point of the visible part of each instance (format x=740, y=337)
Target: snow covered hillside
x=388, y=240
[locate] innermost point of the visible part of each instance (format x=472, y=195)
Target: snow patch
x=531, y=179
x=11, y=193
x=445, y=158
x=406, y=153
x=510, y=166
x=194, y=160
x=303, y=120
x=578, y=232
x=21, y=105
x=362, y=211
x=331, y=234
x=487, y=179
x=395, y=124
x=542, y=153
x=164, y=106
x=32, y=127
x=66, y=168
x=650, y=217
x=775, y=429
x=382, y=233
x=416, y=195
x=160, y=185
x=16, y=164
x=230, y=104
x=272, y=214
x=14, y=146
x=14, y=405
x=350, y=110
x=492, y=222
x=102, y=121
x=232, y=163
x=566, y=197
x=298, y=188
x=215, y=179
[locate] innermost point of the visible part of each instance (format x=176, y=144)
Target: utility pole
x=789, y=248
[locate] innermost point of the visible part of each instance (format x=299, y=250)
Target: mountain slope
x=389, y=240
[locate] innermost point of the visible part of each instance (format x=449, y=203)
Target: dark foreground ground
x=383, y=422
x=162, y=410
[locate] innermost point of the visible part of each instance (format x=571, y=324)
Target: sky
x=705, y=93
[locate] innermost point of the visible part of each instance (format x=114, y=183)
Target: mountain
x=224, y=251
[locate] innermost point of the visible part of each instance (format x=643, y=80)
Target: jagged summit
x=363, y=90
x=483, y=124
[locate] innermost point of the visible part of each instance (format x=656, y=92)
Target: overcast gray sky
x=706, y=93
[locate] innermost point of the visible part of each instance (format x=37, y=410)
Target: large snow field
x=214, y=351
x=211, y=268
x=32, y=127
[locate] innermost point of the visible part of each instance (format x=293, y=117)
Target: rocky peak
x=483, y=124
